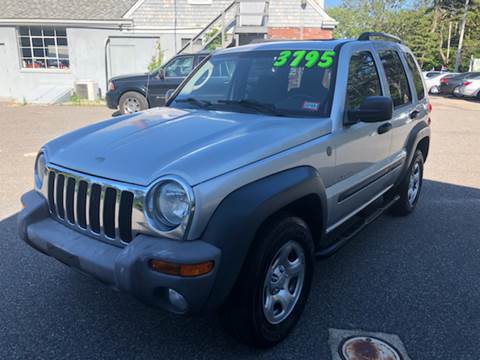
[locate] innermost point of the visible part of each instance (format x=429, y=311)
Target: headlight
x=40, y=170
x=111, y=86
x=170, y=204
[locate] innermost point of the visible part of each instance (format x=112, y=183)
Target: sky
x=331, y=3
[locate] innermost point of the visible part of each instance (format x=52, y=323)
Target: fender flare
x=237, y=219
x=417, y=134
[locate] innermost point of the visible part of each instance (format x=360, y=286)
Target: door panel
x=158, y=88
x=406, y=117
x=361, y=151
x=175, y=71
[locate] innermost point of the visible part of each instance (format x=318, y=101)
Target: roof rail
x=367, y=36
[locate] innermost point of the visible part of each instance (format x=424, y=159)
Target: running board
x=352, y=231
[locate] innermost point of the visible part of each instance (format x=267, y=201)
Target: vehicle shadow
x=392, y=277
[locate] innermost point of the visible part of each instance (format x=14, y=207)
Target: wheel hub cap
x=414, y=184
x=284, y=282
x=132, y=105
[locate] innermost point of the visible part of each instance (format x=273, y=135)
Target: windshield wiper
x=255, y=105
x=194, y=101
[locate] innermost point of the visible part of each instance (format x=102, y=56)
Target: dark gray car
x=449, y=84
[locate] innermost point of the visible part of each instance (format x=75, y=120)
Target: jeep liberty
x=266, y=157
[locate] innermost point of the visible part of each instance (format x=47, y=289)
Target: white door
x=5, y=85
x=122, y=59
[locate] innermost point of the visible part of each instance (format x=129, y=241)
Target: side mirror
x=169, y=94
x=161, y=74
x=372, y=109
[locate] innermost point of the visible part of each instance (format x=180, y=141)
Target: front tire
x=410, y=187
x=131, y=102
x=273, y=286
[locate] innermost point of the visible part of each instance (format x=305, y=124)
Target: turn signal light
x=185, y=270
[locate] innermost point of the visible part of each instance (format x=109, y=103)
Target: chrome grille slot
x=82, y=204
x=91, y=205
x=125, y=216
x=109, y=212
x=70, y=200
x=51, y=193
x=94, y=208
x=59, y=192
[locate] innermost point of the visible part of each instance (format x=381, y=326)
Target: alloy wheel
x=283, y=282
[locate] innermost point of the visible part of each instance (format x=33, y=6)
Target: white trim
x=48, y=71
x=162, y=30
x=65, y=22
x=134, y=8
x=327, y=21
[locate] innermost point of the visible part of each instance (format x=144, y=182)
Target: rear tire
x=410, y=188
x=131, y=102
x=273, y=286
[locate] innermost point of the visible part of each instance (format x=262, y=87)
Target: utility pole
x=449, y=40
x=458, y=58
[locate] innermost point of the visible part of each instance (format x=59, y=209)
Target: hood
x=194, y=144
x=130, y=77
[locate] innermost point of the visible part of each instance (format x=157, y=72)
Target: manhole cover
x=367, y=348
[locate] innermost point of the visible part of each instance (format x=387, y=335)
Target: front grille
x=99, y=209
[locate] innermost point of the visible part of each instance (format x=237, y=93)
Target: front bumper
x=125, y=268
x=111, y=98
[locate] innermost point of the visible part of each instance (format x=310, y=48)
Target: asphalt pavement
x=417, y=277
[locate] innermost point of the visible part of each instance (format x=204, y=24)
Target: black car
x=449, y=84
x=131, y=93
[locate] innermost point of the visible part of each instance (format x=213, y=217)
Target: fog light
x=177, y=300
x=185, y=270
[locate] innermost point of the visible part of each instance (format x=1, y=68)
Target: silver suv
x=266, y=157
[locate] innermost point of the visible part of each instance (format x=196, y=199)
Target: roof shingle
x=65, y=9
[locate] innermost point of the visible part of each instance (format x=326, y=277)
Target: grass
x=75, y=100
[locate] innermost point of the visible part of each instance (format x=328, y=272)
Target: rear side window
x=363, y=80
x=396, y=78
x=417, y=78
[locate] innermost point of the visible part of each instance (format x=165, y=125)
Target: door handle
x=414, y=114
x=382, y=129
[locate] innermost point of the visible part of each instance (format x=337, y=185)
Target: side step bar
x=353, y=230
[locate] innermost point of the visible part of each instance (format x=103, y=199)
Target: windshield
x=279, y=83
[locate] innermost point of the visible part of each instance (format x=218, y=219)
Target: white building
x=48, y=45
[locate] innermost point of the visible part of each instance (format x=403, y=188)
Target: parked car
x=449, y=84
x=469, y=88
x=132, y=93
x=261, y=161
x=433, y=82
x=430, y=74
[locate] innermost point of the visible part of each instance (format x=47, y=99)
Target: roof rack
x=368, y=35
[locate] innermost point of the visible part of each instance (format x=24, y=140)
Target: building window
x=43, y=47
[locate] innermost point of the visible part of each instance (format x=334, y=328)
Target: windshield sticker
x=310, y=105
x=309, y=59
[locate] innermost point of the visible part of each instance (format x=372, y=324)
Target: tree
x=157, y=58
x=423, y=26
